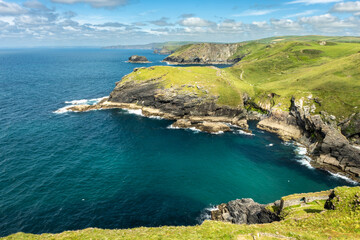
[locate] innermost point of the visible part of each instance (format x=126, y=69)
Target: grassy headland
x=272, y=73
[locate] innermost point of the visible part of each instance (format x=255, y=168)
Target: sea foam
x=134, y=111
x=206, y=214
x=338, y=175
x=243, y=133
x=73, y=103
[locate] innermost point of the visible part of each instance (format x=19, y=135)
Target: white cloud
x=95, y=3
x=309, y=2
x=255, y=12
x=7, y=8
x=261, y=24
x=300, y=14
x=285, y=24
x=195, y=22
x=346, y=7
x=328, y=23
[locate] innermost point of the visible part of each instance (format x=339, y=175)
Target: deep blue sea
x=115, y=169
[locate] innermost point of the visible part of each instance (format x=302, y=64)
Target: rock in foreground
x=243, y=211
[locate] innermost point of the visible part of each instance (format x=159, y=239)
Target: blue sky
x=31, y=23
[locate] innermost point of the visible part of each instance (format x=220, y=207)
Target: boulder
x=243, y=211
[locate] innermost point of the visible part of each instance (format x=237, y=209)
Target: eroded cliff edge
x=206, y=53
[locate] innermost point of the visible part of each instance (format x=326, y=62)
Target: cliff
x=337, y=217
x=206, y=53
x=307, y=91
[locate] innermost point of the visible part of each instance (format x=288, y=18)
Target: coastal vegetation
x=327, y=71
x=339, y=220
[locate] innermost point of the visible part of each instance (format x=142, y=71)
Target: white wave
x=172, y=127
x=63, y=110
x=194, y=129
x=305, y=161
x=301, y=150
x=288, y=143
x=156, y=117
x=134, y=111
x=339, y=175
x=206, y=214
x=270, y=145
x=216, y=133
x=73, y=103
x=85, y=101
x=244, y=133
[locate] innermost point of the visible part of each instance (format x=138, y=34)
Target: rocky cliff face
x=328, y=148
x=246, y=211
x=205, y=53
x=243, y=211
x=172, y=100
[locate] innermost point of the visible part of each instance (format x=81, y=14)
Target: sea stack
x=138, y=59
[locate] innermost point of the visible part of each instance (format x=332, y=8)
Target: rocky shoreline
x=192, y=106
x=327, y=147
x=247, y=211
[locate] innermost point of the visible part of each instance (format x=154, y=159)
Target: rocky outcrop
x=350, y=128
x=282, y=124
x=243, y=211
x=205, y=53
x=329, y=149
x=188, y=108
x=138, y=59
x=205, y=126
x=246, y=211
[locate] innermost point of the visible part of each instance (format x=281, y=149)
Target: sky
x=51, y=23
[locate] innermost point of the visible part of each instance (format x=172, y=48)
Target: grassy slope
x=300, y=222
x=215, y=81
x=330, y=73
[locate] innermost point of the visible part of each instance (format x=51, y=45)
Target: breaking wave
x=72, y=103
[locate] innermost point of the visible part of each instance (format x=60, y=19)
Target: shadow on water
x=115, y=213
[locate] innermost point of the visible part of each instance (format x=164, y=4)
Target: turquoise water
x=114, y=169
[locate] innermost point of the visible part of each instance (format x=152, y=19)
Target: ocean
x=115, y=168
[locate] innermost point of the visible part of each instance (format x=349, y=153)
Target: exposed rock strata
x=206, y=53
x=191, y=110
x=243, y=211
x=328, y=148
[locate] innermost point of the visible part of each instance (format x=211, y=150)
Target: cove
x=115, y=169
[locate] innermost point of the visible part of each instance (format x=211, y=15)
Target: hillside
x=340, y=220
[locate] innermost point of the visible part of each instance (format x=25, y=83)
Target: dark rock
x=170, y=100
x=244, y=211
x=329, y=148
x=138, y=59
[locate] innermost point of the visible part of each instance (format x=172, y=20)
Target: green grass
x=307, y=221
x=198, y=80
x=330, y=73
